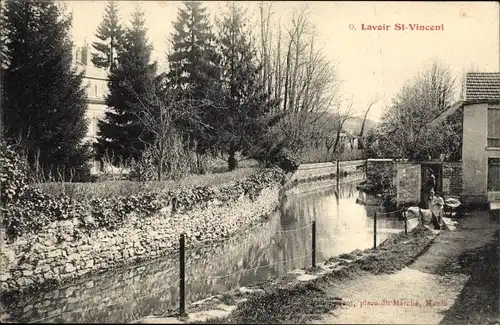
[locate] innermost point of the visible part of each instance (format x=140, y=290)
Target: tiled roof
x=482, y=86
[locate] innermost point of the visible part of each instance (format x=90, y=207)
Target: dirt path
x=418, y=294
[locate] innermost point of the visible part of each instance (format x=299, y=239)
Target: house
x=95, y=79
x=481, y=137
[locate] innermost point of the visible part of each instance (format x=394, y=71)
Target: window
x=493, y=127
x=493, y=174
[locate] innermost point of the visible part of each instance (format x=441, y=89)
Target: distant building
x=97, y=89
x=481, y=137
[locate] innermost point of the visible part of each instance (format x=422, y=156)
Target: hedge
x=28, y=209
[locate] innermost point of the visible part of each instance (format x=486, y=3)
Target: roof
x=92, y=72
x=449, y=111
x=482, y=86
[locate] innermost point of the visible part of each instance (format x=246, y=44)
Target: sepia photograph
x=250, y=162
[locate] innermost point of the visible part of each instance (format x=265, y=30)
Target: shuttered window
x=494, y=174
x=493, y=127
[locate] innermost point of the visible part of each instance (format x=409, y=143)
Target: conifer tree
x=245, y=105
x=121, y=134
x=194, y=67
x=109, y=32
x=44, y=100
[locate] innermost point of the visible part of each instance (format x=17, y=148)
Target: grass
x=306, y=302
x=395, y=253
x=307, y=298
x=478, y=303
x=85, y=191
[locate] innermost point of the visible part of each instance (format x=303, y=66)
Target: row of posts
x=375, y=229
x=182, y=259
x=182, y=267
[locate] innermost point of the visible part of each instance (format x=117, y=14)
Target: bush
x=106, y=189
x=13, y=174
x=287, y=161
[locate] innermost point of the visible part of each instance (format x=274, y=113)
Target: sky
x=370, y=63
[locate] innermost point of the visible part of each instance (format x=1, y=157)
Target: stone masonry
x=55, y=255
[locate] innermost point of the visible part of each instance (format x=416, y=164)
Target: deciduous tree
x=403, y=131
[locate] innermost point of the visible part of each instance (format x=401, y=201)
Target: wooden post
x=406, y=225
x=182, y=274
x=375, y=230
x=338, y=174
x=313, y=243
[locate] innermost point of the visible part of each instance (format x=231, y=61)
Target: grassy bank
x=283, y=300
x=106, y=189
x=478, y=303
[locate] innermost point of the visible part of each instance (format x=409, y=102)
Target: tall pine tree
x=121, y=135
x=44, y=100
x=110, y=34
x=245, y=105
x=194, y=67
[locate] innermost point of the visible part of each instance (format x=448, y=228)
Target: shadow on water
x=267, y=250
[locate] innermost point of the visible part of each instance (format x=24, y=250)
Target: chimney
x=77, y=55
x=85, y=56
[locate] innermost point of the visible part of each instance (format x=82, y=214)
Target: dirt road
x=425, y=291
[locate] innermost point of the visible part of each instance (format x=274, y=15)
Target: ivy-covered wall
x=52, y=240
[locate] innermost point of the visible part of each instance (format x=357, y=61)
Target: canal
x=281, y=244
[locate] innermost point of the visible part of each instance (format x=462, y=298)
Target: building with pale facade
x=95, y=81
x=480, y=138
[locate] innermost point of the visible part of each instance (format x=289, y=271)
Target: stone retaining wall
x=408, y=181
x=308, y=172
x=452, y=179
x=312, y=171
x=55, y=255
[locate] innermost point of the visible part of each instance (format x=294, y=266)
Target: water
x=267, y=250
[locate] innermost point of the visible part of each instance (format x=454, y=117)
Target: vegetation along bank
x=48, y=239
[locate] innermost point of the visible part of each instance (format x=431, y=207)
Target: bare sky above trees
x=369, y=62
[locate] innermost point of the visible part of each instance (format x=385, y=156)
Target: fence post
x=182, y=274
x=406, y=225
x=338, y=174
x=313, y=243
x=375, y=230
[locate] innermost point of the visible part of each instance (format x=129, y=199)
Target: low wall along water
x=55, y=255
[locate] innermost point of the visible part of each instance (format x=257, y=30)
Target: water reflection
x=152, y=288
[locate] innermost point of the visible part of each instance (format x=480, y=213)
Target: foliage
x=143, y=169
x=121, y=134
x=244, y=101
x=13, y=174
x=403, y=132
x=110, y=34
x=43, y=96
x=296, y=72
x=194, y=68
x=34, y=209
x=106, y=189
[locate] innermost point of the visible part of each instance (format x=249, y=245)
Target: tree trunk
x=232, y=163
x=160, y=166
x=335, y=145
